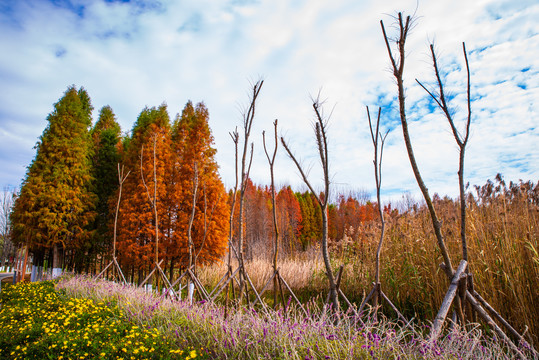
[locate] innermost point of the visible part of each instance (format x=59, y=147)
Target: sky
x=132, y=54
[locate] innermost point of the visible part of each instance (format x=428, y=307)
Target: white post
x=190, y=291
x=56, y=272
x=33, y=276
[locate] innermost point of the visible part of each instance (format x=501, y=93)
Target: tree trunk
x=325, y=253
x=56, y=261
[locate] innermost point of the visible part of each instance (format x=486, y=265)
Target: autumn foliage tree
x=136, y=223
x=193, y=144
x=178, y=147
x=288, y=218
x=56, y=204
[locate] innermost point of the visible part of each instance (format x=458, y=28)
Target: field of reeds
x=503, y=245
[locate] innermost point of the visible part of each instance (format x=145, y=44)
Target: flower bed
x=39, y=322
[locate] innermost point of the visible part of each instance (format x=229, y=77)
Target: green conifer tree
x=106, y=137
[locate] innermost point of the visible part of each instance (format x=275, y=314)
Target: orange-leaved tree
x=289, y=217
x=150, y=140
x=193, y=148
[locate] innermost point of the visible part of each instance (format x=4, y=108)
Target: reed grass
x=503, y=247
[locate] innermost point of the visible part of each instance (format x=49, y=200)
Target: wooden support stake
x=266, y=286
x=220, y=281
x=486, y=317
x=230, y=278
x=446, y=304
x=254, y=290
x=294, y=296
x=364, y=302
x=350, y=306
x=119, y=270
x=504, y=322
x=393, y=307
x=198, y=285
x=338, y=283
x=472, y=290
x=279, y=282
x=150, y=274
x=103, y=271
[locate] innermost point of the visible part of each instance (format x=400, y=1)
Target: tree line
x=64, y=211
x=65, y=208
x=299, y=218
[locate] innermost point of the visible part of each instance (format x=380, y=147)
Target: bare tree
x=114, y=261
x=153, y=203
x=207, y=220
x=278, y=281
x=457, y=278
x=6, y=203
x=248, y=117
x=378, y=143
x=190, y=243
x=320, y=126
x=376, y=293
x=246, y=162
x=462, y=140
x=397, y=65
x=271, y=161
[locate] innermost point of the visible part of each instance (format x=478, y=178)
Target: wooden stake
x=448, y=300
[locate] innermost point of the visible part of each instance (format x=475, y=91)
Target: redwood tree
x=193, y=144
x=136, y=222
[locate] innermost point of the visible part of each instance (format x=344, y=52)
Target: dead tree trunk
x=321, y=140
x=121, y=179
x=248, y=118
x=244, y=280
x=271, y=161
x=462, y=140
x=153, y=201
x=398, y=70
x=378, y=143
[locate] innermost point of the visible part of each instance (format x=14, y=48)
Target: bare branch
x=321, y=140
x=192, y=217
x=303, y=176
x=404, y=27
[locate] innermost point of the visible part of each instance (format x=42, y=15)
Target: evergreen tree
x=106, y=137
x=56, y=204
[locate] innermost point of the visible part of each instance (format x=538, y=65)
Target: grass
x=256, y=334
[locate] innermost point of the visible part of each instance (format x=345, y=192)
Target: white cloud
x=129, y=56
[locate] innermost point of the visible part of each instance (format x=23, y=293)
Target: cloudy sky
x=132, y=54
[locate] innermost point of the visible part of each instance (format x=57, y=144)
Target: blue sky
x=132, y=54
